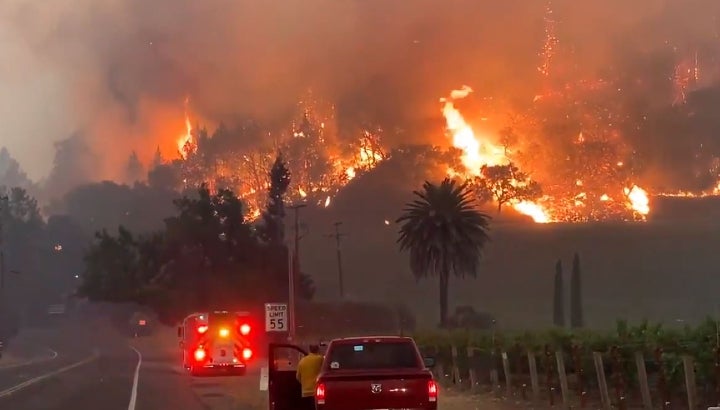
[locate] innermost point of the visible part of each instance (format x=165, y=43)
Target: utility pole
x=3, y=204
x=294, y=271
x=337, y=235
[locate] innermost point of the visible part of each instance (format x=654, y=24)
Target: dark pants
x=308, y=403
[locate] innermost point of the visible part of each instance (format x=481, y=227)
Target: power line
x=337, y=235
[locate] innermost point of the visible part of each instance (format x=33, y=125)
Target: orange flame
x=186, y=142
x=478, y=152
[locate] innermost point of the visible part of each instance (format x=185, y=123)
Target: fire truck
x=218, y=341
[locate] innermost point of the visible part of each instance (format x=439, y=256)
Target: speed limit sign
x=276, y=317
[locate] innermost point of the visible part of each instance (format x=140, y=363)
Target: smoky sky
x=118, y=71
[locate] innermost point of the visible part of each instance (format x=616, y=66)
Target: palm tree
x=444, y=234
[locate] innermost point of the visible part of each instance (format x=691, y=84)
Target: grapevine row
x=664, y=350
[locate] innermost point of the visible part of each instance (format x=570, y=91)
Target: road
x=92, y=366
x=84, y=366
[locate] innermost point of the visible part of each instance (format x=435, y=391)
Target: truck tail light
x=202, y=329
x=224, y=332
x=200, y=354
x=247, y=353
x=245, y=329
x=432, y=391
x=320, y=393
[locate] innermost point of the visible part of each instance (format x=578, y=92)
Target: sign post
x=276, y=317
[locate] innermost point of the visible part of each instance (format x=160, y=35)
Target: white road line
x=133, y=394
x=53, y=356
x=30, y=382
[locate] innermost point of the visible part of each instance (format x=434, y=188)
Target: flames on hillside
x=319, y=164
x=564, y=150
x=321, y=167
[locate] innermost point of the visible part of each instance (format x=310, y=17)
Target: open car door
x=284, y=391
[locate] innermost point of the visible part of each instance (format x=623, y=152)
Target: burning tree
x=505, y=184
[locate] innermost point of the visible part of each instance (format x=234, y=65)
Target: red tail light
x=320, y=393
x=202, y=329
x=247, y=353
x=432, y=391
x=245, y=329
x=200, y=354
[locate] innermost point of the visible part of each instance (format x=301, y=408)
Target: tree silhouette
x=74, y=163
x=134, y=170
x=505, y=184
x=444, y=234
x=576, y=309
x=157, y=159
x=558, y=297
x=272, y=230
x=10, y=172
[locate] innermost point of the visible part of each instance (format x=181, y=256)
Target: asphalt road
x=91, y=366
x=82, y=365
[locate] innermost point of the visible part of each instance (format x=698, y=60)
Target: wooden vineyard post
x=580, y=374
x=472, y=375
x=602, y=382
x=506, y=371
x=717, y=376
x=618, y=375
x=549, y=372
x=534, y=382
x=562, y=376
x=689, y=368
x=519, y=364
x=643, y=380
x=662, y=379
x=455, y=369
x=440, y=367
x=494, y=378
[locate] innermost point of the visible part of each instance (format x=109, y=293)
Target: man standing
x=307, y=374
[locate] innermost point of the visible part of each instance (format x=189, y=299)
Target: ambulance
x=216, y=341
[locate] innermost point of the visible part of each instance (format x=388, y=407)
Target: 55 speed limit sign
x=276, y=317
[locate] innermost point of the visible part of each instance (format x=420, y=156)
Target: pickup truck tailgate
x=379, y=390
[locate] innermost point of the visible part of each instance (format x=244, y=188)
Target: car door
x=284, y=391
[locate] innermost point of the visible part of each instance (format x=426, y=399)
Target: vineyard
x=643, y=366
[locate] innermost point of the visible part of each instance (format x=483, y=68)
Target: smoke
x=118, y=71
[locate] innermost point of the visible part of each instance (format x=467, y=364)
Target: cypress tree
x=558, y=297
x=576, y=309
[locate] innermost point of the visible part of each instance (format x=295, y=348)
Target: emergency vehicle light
x=247, y=353
x=200, y=354
x=224, y=332
x=202, y=329
x=245, y=329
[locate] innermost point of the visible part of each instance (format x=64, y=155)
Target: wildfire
x=478, y=151
x=318, y=168
x=639, y=200
x=186, y=143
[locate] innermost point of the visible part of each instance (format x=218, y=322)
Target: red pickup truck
x=360, y=373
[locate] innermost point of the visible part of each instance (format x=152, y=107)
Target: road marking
x=53, y=355
x=136, y=377
x=30, y=382
x=264, y=378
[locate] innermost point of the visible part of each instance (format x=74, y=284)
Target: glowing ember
x=327, y=201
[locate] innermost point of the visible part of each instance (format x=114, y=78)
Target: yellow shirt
x=307, y=373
